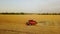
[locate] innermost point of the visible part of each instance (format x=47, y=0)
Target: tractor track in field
x=14, y=31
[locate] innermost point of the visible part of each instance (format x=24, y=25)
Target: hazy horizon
x=30, y=6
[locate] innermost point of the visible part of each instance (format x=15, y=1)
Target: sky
x=30, y=6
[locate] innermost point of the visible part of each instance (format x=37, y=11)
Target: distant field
x=30, y=13
x=16, y=24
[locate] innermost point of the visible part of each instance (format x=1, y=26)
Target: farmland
x=16, y=24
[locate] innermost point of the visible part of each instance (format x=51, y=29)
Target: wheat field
x=16, y=24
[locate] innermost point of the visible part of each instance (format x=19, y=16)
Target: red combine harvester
x=31, y=22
